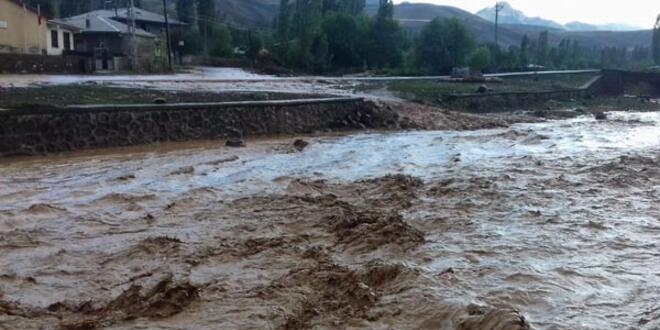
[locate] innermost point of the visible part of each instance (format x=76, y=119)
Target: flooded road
x=553, y=225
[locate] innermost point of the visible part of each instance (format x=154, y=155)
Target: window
x=3, y=24
x=54, y=39
x=66, y=37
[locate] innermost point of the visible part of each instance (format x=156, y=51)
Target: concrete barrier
x=40, y=131
x=490, y=102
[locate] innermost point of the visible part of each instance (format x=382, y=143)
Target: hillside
x=256, y=14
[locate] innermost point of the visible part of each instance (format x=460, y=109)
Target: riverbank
x=38, y=120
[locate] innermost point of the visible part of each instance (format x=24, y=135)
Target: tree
x=345, y=37
x=349, y=7
x=206, y=16
x=48, y=8
x=283, y=26
x=542, y=50
x=220, y=41
x=524, y=51
x=386, y=38
x=461, y=41
x=442, y=45
x=306, y=28
x=479, y=59
x=61, y=8
x=187, y=13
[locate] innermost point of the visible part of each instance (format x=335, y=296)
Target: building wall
x=88, y=42
x=20, y=31
x=60, y=37
x=118, y=49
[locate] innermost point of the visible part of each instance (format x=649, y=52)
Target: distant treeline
x=335, y=36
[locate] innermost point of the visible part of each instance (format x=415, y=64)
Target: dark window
x=54, y=39
x=67, y=40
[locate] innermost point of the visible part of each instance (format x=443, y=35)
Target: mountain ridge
x=511, y=15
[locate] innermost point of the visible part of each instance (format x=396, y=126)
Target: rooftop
x=141, y=15
x=94, y=23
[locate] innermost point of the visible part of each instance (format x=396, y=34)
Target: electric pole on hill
x=498, y=8
x=167, y=35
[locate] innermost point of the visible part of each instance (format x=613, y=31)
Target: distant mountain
x=510, y=15
x=579, y=26
x=414, y=16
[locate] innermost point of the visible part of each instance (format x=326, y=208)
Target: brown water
x=554, y=225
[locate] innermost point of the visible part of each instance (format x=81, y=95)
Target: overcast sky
x=640, y=13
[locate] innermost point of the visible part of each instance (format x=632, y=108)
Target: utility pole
x=167, y=35
x=131, y=31
x=498, y=8
x=206, y=35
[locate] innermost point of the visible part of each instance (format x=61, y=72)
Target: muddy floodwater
x=551, y=225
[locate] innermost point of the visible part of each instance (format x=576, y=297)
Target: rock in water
x=482, y=89
x=600, y=116
x=300, y=145
x=159, y=100
x=235, y=143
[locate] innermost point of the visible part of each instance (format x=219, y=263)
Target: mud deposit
x=537, y=226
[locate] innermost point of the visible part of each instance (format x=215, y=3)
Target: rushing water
x=559, y=219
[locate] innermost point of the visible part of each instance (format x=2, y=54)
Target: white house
x=60, y=37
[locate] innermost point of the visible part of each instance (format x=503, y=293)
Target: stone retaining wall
x=491, y=102
x=40, y=131
x=23, y=63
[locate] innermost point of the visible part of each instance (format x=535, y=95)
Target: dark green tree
x=524, y=52
x=442, y=45
x=479, y=59
x=283, y=28
x=346, y=40
x=206, y=15
x=187, y=13
x=387, y=38
x=542, y=48
x=220, y=41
